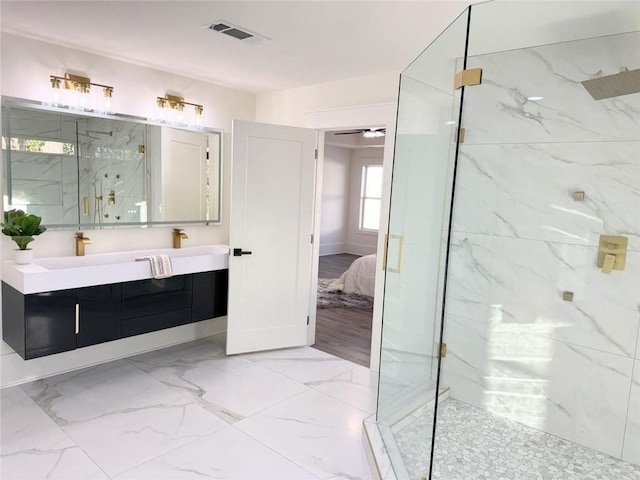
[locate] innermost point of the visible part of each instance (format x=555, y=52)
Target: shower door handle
x=385, y=253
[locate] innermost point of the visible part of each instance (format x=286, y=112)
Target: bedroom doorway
x=350, y=214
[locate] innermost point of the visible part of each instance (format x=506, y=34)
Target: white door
x=272, y=205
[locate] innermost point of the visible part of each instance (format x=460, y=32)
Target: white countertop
x=61, y=273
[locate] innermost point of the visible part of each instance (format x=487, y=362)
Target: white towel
x=160, y=265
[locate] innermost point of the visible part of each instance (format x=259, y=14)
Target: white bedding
x=359, y=278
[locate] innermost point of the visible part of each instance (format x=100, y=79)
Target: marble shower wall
x=519, y=240
x=110, y=161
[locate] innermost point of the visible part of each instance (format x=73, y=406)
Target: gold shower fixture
x=625, y=82
x=177, y=103
x=78, y=83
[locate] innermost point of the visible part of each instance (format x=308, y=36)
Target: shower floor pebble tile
x=472, y=443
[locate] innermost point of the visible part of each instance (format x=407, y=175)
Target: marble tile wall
x=519, y=240
x=110, y=162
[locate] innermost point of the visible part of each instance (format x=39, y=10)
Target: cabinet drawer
x=151, y=323
x=149, y=297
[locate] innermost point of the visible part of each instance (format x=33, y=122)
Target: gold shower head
x=624, y=83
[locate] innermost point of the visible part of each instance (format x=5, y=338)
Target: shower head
x=624, y=83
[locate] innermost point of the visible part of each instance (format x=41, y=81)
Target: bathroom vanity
x=59, y=304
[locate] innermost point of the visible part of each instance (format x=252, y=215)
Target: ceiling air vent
x=234, y=31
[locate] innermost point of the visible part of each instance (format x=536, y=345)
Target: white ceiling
x=310, y=41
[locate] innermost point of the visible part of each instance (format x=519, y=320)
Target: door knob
x=238, y=252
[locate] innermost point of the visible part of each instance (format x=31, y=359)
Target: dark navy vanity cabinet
x=40, y=324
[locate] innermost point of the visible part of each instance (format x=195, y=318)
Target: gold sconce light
x=74, y=91
x=177, y=103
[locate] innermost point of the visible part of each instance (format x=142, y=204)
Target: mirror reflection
x=81, y=171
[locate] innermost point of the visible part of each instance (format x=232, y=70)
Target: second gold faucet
x=81, y=241
x=178, y=235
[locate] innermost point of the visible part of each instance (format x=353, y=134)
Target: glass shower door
x=416, y=247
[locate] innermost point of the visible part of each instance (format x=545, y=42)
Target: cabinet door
x=221, y=293
x=99, y=314
x=50, y=323
x=209, y=295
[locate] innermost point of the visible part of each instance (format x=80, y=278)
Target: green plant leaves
x=21, y=227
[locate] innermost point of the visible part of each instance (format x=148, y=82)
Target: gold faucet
x=178, y=235
x=81, y=241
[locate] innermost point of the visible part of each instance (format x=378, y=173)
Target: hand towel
x=160, y=265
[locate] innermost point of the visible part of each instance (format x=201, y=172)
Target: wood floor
x=343, y=332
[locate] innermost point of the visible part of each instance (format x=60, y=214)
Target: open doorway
x=350, y=214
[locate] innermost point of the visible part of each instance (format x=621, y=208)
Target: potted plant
x=22, y=228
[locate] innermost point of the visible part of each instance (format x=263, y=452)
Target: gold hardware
x=385, y=248
x=443, y=350
x=177, y=103
x=567, y=296
x=78, y=83
x=77, y=318
x=461, y=135
x=612, y=253
x=81, y=241
x=578, y=196
x=141, y=148
x=85, y=206
x=385, y=253
x=111, y=198
x=468, y=78
x=177, y=236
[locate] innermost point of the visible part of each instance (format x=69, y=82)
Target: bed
x=359, y=278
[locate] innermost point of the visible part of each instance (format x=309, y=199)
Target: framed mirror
x=78, y=170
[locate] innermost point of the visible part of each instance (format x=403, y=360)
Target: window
x=371, y=197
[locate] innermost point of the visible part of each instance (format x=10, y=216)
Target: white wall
x=296, y=106
x=335, y=200
x=359, y=242
x=25, y=69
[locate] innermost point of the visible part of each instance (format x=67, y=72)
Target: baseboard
x=332, y=249
x=359, y=249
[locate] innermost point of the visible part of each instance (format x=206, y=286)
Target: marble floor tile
x=119, y=415
x=356, y=387
x=32, y=446
x=230, y=387
x=317, y=432
x=304, y=364
x=227, y=453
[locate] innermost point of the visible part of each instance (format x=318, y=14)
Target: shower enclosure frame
x=410, y=379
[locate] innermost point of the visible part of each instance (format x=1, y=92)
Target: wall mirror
x=82, y=171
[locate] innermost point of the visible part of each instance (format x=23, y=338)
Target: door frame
x=377, y=115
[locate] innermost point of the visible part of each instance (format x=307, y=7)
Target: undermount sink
x=60, y=273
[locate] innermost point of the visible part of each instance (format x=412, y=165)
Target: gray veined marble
x=137, y=417
x=500, y=280
x=524, y=191
x=498, y=111
x=512, y=371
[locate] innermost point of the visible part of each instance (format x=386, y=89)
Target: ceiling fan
x=366, y=132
